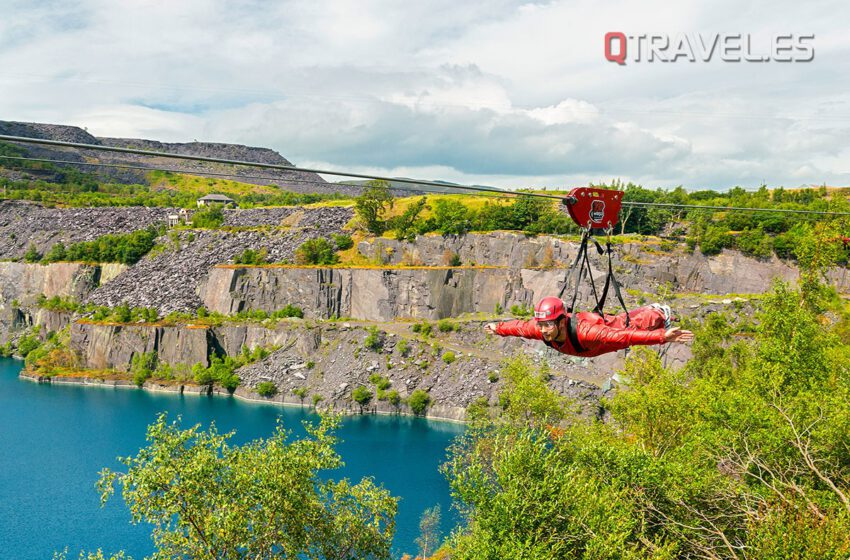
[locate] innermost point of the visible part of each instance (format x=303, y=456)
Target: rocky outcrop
x=170, y=280
x=373, y=294
x=642, y=266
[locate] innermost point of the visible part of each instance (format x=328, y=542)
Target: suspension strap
x=610, y=280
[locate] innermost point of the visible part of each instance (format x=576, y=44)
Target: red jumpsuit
x=598, y=335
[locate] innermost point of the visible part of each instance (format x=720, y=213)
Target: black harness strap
x=573, y=334
x=610, y=280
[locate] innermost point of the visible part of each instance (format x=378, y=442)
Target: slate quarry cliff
x=323, y=357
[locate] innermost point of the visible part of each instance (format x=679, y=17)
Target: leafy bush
x=316, y=251
x=142, y=366
x=393, y=397
x=449, y=357
x=343, y=241
x=418, y=401
x=522, y=311
x=32, y=255
x=374, y=340
x=754, y=242
x=714, y=240
x=266, y=389
x=379, y=381
x=211, y=216
x=444, y=325
x=403, y=347
x=126, y=248
x=361, y=395
x=424, y=328
x=250, y=256
x=28, y=343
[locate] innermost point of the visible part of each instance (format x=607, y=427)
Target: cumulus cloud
x=498, y=92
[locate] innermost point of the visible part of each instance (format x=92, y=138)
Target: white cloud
x=498, y=92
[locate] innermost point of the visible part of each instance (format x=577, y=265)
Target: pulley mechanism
x=595, y=211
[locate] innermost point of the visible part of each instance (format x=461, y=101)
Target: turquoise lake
x=55, y=439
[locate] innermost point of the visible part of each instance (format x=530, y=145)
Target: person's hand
x=490, y=327
x=678, y=335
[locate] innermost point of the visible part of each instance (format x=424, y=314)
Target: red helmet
x=549, y=309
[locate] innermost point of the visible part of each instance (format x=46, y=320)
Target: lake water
x=55, y=439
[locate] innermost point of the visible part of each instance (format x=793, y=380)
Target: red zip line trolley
x=595, y=211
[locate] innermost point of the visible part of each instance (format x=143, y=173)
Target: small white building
x=216, y=199
x=181, y=217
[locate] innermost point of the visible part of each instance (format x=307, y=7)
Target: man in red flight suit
x=589, y=334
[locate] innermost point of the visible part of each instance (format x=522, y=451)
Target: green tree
x=208, y=499
x=405, y=225
x=362, y=396
x=429, y=530
x=372, y=206
x=418, y=401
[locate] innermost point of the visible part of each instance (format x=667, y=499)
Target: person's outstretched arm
x=525, y=329
x=600, y=338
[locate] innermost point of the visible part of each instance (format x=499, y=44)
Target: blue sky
x=505, y=93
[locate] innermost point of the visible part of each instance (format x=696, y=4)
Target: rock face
x=638, y=265
x=373, y=294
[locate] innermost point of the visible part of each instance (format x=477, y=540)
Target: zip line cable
x=258, y=164
x=476, y=190
x=320, y=184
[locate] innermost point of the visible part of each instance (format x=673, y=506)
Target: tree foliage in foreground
x=745, y=453
x=208, y=499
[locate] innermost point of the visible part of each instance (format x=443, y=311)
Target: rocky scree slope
x=169, y=279
x=26, y=223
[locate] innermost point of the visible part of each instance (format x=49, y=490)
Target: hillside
x=298, y=182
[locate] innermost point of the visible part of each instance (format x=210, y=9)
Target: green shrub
x=142, y=367
x=28, y=343
x=498, y=310
x=418, y=401
x=316, y=399
x=250, y=256
x=301, y=393
x=379, y=381
x=374, y=340
x=288, y=311
x=424, y=328
x=754, y=242
x=361, y=396
x=403, y=347
x=522, y=311
x=444, y=325
x=211, y=216
x=316, y=251
x=343, y=241
x=714, y=240
x=393, y=397
x=449, y=357
x=372, y=206
x=266, y=389
x=493, y=377
x=32, y=255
